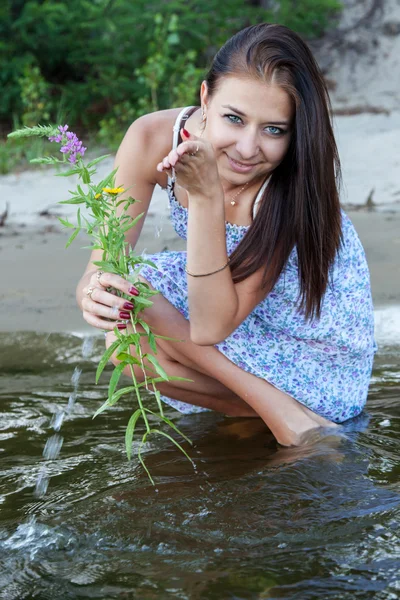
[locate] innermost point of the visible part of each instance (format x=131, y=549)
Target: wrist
x=212, y=195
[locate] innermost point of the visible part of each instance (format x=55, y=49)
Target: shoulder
x=151, y=136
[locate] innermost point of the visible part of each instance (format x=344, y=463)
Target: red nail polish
x=133, y=291
x=128, y=305
x=124, y=315
x=185, y=132
x=121, y=325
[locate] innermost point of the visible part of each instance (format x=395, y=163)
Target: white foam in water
x=54, y=443
x=87, y=347
x=71, y=402
x=76, y=376
x=42, y=483
x=53, y=446
x=387, y=326
x=57, y=420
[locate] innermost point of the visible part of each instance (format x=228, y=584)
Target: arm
x=137, y=174
x=217, y=306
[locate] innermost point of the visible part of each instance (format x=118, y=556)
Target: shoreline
x=40, y=275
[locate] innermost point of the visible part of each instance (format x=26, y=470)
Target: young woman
x=272, y=297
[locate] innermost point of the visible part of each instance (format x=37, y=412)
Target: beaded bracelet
x=211, y=273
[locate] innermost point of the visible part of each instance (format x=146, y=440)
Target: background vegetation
x=99, y=64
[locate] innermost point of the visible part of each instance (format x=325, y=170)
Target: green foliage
x=106, y=62
x=309, y=18
x=34, y=96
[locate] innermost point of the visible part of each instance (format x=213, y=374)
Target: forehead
x=255, y=98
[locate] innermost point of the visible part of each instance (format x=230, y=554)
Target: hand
x=194, y=163
x=102, y=308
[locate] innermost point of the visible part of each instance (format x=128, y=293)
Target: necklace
x=233, y=198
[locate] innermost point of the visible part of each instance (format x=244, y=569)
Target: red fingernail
x=133, y=291
x=121, y=325
x=128, y=305
x=124, y=315
x=185, y=132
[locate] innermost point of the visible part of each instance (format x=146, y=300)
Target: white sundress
x=326, y=364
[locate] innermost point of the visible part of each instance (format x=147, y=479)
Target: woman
x=272, y=298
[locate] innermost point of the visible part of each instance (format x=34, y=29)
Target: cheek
x=275, y=150
x=222, y=138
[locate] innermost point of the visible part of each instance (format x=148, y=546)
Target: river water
x=253, y=521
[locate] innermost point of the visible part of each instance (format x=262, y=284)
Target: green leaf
x=107, y=181
x=142, y=302
x=157, y=366
x=144, y=325
x=159, y=403
x=128, y=358
x=76, y=200
x=152, y=342
x=78, y=216
x=177, y=444
x=119, y=393
x=105, y=358
x=175, y=428
x=97, y=160
x=67, y=173
x=164, y=337
x=85, y=175
x=130, y=430
x=72, y=237
x=66, y=223
x=144, y=439
x=102, y=408
x=159, y=379
x=132, y=222
x=115, y=378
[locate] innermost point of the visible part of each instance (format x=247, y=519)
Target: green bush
x=105, y=62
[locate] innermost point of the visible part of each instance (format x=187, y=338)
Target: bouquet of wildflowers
x=106, y=230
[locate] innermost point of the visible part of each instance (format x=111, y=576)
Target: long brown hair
x=300, y=207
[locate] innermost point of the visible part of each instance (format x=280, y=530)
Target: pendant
x=233, y=202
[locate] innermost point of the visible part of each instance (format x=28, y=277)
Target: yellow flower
x=97, y=196
x=117, y=190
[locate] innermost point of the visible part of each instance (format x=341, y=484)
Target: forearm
x=213, y=301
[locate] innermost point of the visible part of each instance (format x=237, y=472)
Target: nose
x=247, y=145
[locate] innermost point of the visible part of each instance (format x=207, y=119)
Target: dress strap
x=179, y=123
x=259, y=197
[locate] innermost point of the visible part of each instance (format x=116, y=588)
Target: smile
x=240, y=167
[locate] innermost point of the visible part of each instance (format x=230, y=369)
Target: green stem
x=139, y=399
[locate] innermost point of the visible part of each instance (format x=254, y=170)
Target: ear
x=204, y=94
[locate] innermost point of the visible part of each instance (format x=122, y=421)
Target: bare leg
x=288, y=419
x=201, y=390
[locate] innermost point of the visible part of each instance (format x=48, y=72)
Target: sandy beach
x=39, y=275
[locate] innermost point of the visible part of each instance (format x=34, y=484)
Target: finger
x=173, y=157
x=119, y=283
x=191, y=148
x=166, y=163
x=107, y=305
x=101, y=324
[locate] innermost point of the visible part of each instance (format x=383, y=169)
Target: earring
x=203, y=115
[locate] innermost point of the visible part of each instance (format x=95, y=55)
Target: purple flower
x=72, y=146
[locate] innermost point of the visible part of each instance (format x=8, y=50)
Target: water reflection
x=253, y=521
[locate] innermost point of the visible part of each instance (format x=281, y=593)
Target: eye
x=274, y=130
x=233, y=119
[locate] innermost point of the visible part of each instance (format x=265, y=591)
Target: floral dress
x=324, y=364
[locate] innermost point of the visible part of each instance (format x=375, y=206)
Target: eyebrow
x=242, y=114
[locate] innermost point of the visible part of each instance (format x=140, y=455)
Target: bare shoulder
x=151, y=135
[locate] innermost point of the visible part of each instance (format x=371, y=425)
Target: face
x=249, y=125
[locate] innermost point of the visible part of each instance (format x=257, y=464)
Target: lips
x=239, y=166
